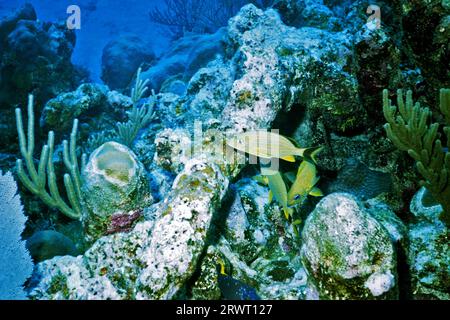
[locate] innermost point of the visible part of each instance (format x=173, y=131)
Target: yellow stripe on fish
x=266, y=144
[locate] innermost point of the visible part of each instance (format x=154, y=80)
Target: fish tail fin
x=221, y=266
x=288, y=212
x=309, y=153
x=295, y=226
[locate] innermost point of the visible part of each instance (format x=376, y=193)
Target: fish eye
x=297, y=196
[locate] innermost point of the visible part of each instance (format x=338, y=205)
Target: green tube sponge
x=409, y=129
x=36, y=180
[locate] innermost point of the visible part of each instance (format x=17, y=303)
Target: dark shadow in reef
x=404, y=275
x=288, y=122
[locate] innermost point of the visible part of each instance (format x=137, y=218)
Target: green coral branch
x=409, y=130
x=137, y=118
x=140, y=87
x=444, y=102
x=36, y=180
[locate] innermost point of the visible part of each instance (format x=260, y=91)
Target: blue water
x=101, y=21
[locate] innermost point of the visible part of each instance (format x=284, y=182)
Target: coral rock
x=121, y=58
x=347, y=253
x=59, y=112
x=428, y=250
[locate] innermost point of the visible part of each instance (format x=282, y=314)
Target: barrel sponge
x=114, y=183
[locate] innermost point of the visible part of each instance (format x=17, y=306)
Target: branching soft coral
x=409, y=130
x=36, y=180
x=203, y=16
x=137, y=117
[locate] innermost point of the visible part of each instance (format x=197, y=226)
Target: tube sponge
x=409, y=129
x=35, y=180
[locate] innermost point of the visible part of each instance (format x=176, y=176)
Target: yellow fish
x=304, y=184
x=290, y=176
x=266, y=144
x=278, y=190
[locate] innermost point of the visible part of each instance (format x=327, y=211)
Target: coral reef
x=184, y=58
x=183, y=223
x=426, y=29
x=165, y=207
x=111, y=167
x=259, y=245
x=428, y=249
x=35, y=57
x=59, y=112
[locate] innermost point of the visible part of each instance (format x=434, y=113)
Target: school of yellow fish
x=269, y=145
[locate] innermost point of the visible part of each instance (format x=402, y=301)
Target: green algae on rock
x=60, y=111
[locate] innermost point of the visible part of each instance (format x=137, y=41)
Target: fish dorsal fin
x=316, y=192
x=289, y=158
x=294, y=142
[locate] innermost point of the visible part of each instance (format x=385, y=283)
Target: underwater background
x=225, y=149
